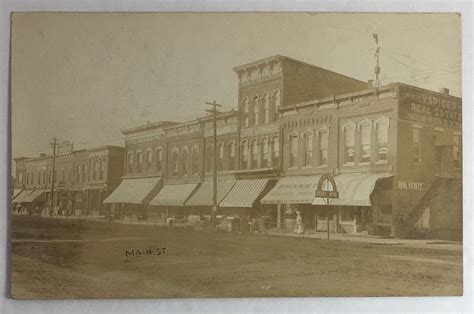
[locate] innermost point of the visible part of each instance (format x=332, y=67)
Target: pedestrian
x=299, y=228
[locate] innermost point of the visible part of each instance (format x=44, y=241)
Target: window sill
x=381, y=162
x=365, y=163
x=349, y=164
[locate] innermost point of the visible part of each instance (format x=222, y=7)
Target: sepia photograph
x=235, y=155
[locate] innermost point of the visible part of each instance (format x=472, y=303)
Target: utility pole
x=377, y=54
x=54, y=143
x=214, y=174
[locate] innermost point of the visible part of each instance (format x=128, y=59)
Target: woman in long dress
x=299, y=223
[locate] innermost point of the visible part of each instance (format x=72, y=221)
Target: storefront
x=34, y=201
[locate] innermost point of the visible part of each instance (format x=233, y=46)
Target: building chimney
x=370, y=84
x=444, y=91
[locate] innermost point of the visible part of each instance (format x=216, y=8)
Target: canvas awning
x=16, y=193
x=174, y=194
x=33, y=196
x=135, y=191
x=244, y=193
x=354, y=189
x=204, y=194
x=293, y=190
x=19, y=198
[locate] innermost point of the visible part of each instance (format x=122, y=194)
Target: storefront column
x=100, y=203
x=338, y=215
x=278, y=216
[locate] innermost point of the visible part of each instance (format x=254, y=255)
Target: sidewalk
x=372, y=239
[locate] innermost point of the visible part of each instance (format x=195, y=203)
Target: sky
x=82, y=77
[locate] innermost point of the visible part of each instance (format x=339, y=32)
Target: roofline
x=159, y=124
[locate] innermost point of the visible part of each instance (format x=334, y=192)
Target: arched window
x=245, y=155
x=175, y=161
x=195, y=166
x=159, y=159
x=265, y=156
x=254, y=154
x=349, y=147
x=255, y=105
x=276, y=104
x=323, y=136
x=266, y=108
x=293, y=150
x=231, y=156
x=381, y=129
x=220, y=159
x=245, y=110
x=185, y=160
x=308, y=149
x=209, y=157
x=365, y=141
x=139, y=163
x=275, y=151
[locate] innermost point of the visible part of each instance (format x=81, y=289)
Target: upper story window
x=382, y=140
x=255, y=105
x=209, y=157
x=323, y=136
x=220, y=159
x=457, y=151
x=174, y=162
x=78, y=174
x=245, y=155
x=276, y=104
x=275, y=151
x=293, y=150
x=185, y=160
x=70, y=175
x=44, y=176
x=265, y=153
x=63, y=175
x=149, y=159
x=245, y=110
x=39, y=178
x=139, y=162
x=101, y=169
x=159, y=159
x=95, y=169
x=231, y=154
x=266, y=108
x=308, y=149
x=416, y=144
x=83, y=173
x=195, y=166
x=349, y=147
x=130, y=162
x=254, y=154
x=365, y=137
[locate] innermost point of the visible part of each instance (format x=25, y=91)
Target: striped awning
x=204, y=194
x=34, y=196
x=293, y=190
x=135, y=191
x=244, y=193
x=22, y=195
x=16, y=193
x=354, y=189
x=174, y=194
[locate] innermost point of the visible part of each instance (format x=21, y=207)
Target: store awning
x=34, y=196
x=293, y=190
x=16, y=193
x=174, y=194
x=354, y=189
x=204, y=194
x=244, y=193
x=19, y=198
x=135, y=191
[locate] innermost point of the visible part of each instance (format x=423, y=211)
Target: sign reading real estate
x=430, y=108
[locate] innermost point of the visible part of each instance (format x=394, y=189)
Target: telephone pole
x=54, y=143
x=377, y=55
x=214, y=173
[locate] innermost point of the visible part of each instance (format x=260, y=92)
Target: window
x=44, y=177
x=365, y=140
x=209, y=158
x=95, y=169
x=159, y=159
x=63, y=175
x=130, y=162
x=220, y=160
x=70, y=175
x=78, y=174
x=175, y=161
x=349, y=149
x=382, y=141
x=245, y=109
x=275, y=152
x=50, y=177
x=245, y=155
x=139, y=162
x=195, y=165
x=254, y=154
x=149, y=159
x=39, y=178
x=416, y=149
x=231, y=154
x=101, y=169
x=276, y=104
x=323, y=147
x=457, y=153
x=266, y=108
x=255, y=105
x=185, y=160
x=308, y=149
x=83, y=173
x=265, y=153
x=293, y=150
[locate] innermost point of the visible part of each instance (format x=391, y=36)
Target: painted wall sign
x=410, y=185
x=430, y=108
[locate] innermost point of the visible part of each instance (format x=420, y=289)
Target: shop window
x=265, y=153
x=139, y=162
x=231, y=154
x=386, y=209
x=382, y=140
x=349, y=148
x=323, y=147
x=457, y=152
x=416, y=142
x=195, y=166
x=159, y=159
x=266, y=108
x=254, y=154
x=365, y=141
x=308, y=149
x=245, y=109
x=293, y=150
x=276, y=152
x=255, y=105
x=347, y=213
